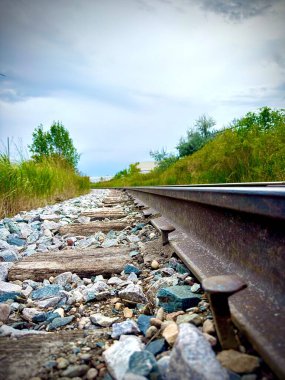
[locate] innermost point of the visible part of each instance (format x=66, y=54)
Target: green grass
x=252, y=151
x=31, y=184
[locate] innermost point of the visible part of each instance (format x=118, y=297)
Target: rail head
x=267, y=201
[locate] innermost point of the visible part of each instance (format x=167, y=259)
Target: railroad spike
x=219, y=288
x=165, y=230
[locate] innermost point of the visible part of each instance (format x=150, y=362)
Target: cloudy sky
x=128, y=76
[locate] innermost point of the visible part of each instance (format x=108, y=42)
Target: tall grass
x=249, y=153
x=30, y=184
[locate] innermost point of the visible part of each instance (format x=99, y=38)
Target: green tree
x=55, y=142
x=163, y=158
x=204, y=124
x=197, y=136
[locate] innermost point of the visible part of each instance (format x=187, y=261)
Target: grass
x=250, y=152
x=31, y=184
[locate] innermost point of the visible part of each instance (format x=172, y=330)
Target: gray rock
x=4, y=233
x=14, y=333
x=75, y=370
x=63, y=279
x=159, y=284
x=8, y=255
x=193, y=357
x=117, y=356
x=189, y=318
x=163, y=365
x=33, y=237
x=46, y=292
x=7, y=287
x=99, y=290
x=12, y=227
x=114, y=281
x=195, y=288
x=4, y=312
x=59, y=322
x=25, y=229
x=4, y=269
x=123, y=328
x=28, y=313
x=53, y=217
x=133, y=277
x=133, y=293
x=101, y=320
x=48, y=302
x=133, y=376
x=133, y=239
x=51, y=225
x=30, y=250
x=109, y=243
x=31, y=283
x=76, y=279
x=143, y=363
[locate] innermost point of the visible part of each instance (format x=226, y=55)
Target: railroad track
x=231, y=229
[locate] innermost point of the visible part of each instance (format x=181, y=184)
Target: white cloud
x=126, y=77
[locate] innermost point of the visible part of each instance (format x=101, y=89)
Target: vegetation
x=48, y=177
x=54, y=143
x=163, y=159
x=250, y=149
x=197, y=136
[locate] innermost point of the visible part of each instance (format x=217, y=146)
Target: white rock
x=101, y=320
x=50, y=225
x=133, y=293
x=47, y=233
x=63, y=278
x=4, y=269
x=54, y=217
x=4, y=233
x=114, y=281
x=84, y=219
x=195, y=288
x=133, y=277
x=133, y=239
x=6, y=287
x=118, y=355
x=14, y=333
x=28, y=313
x=84, y=323
x=26, y=230
x=48, y=302
x=60, y=311
x=123, y=328
x=192, y=354
x=27, y=291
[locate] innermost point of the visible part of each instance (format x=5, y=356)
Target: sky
x=129, y=76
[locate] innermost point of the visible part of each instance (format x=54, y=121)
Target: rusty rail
x=240, y=230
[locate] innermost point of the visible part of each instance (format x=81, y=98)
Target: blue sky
x=129, y=76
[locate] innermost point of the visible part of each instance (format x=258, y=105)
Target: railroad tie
x=84, y=262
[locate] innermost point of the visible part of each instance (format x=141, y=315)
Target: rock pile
x=154, y=320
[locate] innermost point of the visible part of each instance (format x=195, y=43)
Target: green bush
x=252, y=149
x=31, y=184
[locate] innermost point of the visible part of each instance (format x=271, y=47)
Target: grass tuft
x=31, y=184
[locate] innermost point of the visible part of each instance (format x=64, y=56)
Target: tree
x=55, y=142
x=204, y=124
x=197, y=136
x=163, y=158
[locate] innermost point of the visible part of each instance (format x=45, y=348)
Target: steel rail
x=233, y=230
